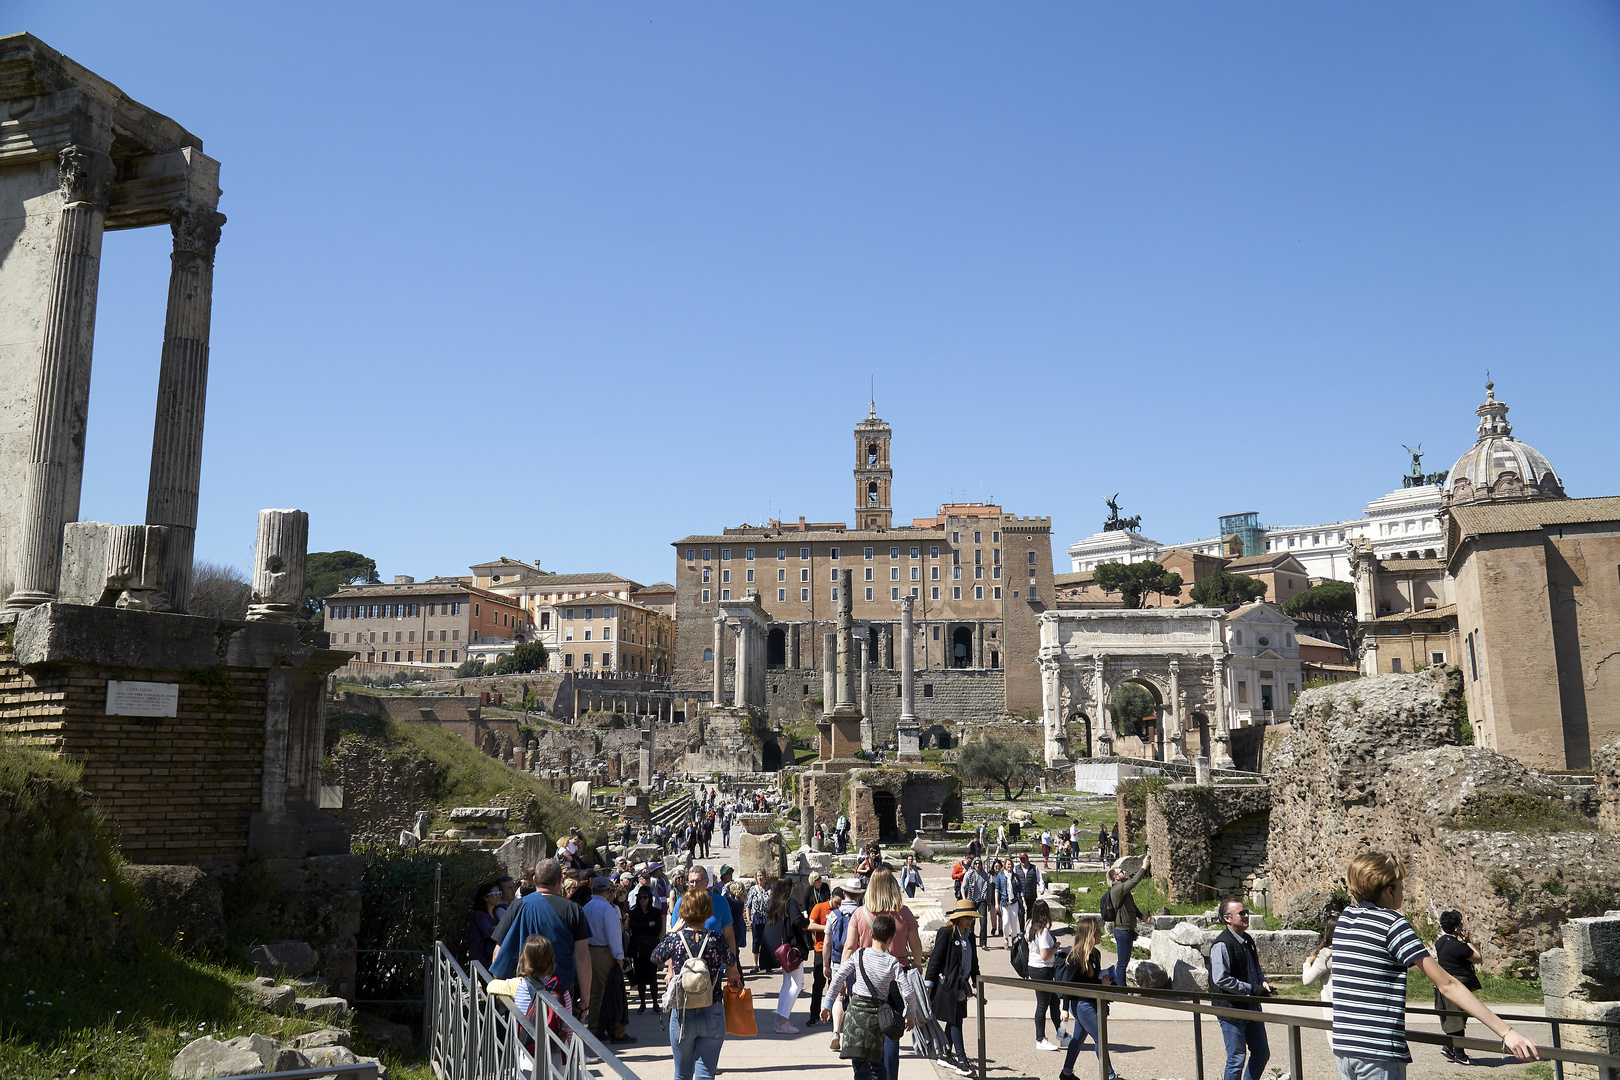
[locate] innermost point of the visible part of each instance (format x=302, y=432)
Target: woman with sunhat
x=953, y=967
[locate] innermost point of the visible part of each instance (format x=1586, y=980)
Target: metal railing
x=1193, y=1004
x=478, y=1036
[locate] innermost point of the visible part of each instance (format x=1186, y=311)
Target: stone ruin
x=218, y=725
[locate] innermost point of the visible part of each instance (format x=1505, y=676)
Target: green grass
x=1514, y=811
x=1494, y=989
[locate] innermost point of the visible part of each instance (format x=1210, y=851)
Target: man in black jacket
x=1234, y=968
x=1026, y=880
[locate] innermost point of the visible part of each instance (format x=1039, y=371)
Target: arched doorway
x=1081, y=747
x=962, y=647
x=776, y=648
x=1135, y=713
x=887, y=810
x=770, y=756
x=1198, y=735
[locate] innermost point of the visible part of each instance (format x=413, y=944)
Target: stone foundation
x=1206, y=842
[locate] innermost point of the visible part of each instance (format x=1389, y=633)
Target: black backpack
x=1106, y=908
x=1019, y=954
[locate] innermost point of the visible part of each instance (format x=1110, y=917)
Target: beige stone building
x=603, y=633
x=420, y=622
x=979, y=576
x=546, y=596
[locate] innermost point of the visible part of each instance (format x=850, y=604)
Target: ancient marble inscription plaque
x=125, y=698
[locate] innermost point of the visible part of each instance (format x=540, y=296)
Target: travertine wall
x=949, y=696
x=173, y=789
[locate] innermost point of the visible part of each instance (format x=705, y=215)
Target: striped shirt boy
x=1372, y=948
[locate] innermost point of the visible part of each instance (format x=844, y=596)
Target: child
x=868, y=976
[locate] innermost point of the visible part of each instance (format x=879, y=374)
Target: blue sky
x=569, y=282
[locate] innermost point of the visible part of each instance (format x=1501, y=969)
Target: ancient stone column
x=745, y=646
x=646, y=757
x=50, y=497
x=1104, y=723
x=1223, y=739
x=868, y=736
x=908, y=662
x=829, y=673
x=177, y=435
x=719, y=660
x=1052, y=712
x=846, y=643
x=1178, y=730
x=978, y=644
x=278, y=566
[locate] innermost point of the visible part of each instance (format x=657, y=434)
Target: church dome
x=1499, y=467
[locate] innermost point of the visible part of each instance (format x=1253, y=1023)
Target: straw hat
x=964, y=909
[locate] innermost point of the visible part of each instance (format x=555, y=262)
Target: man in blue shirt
x=719, y=922
x=559, y=919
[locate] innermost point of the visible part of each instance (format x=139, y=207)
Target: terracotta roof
x=1269, y=560
x=546, y=581
x=1483, y=518
x=435, y=587
x=1306, y=639
x=1079, y=577
x=657, y=587
x=1449, y=611
x=1410, y=565
x=505, y=560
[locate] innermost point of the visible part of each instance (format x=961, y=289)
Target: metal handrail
x=1174, y=1001
x=474, y=1038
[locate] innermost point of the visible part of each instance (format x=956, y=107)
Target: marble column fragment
x=868, y=736
x=829, y=673
x=61, y=397
x=278, y=566
x=177, y=435
x=908, y=662
x=745, y=646
x=719, y=661
x=846, y=643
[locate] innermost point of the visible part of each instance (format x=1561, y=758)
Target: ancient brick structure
x=1207, y=842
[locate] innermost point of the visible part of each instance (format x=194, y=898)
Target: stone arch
x=1198, y=739
x=1083, y=747
x=770, y=756
x=776, y=648
x=962, y=647
x=1152, y=740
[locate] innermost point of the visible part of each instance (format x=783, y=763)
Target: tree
x=1221, y=588
x=530, y=656
x=1330, y=602
x=469, y=669
x=1136, y=581
x=1131, y=705
x=325, y=572
x=1003, y=762
x=219, y=591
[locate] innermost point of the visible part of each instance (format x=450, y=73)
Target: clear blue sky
x=571, y=281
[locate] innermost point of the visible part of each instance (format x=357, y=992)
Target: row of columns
x=51, y=491
x=660, y=706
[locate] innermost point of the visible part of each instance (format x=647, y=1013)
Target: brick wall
x=173, y=789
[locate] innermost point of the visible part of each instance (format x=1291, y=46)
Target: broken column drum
x=278, y=566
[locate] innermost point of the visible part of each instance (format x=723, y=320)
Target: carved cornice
x=85, y=176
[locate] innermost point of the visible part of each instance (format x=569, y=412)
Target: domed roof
x=1480, y=473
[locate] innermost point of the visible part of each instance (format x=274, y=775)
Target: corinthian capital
x=196, y=230
x=85, y=175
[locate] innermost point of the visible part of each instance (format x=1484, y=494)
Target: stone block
x=921, y=848
x=1059, y=912
x=337, y=872
x=325, y=1057
x=184, y=907
x=643, y=853
x=265, y=994
x=275, y=1056
x=1146, y=974
x=408, y=838
x=420, y=826
x=1593, y=946
x=1023, y=817
x=1283, y=952
x=1559, y=978
x=521, y=852
x=1059, y=889
x=327, y=1008
x=1187, y=977
x=208, y=1057
x=757, y=852
x=286, y=958
x=930, y=914
x=475, y=814
x=324, y=1037
x=806, y=861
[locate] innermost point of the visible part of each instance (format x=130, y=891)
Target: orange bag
x=739, y=1010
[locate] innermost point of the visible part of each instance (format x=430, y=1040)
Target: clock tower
x=872, y=474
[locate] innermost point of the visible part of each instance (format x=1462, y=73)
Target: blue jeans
x=1371, y=1068
x=694, y=1041
x=1123, y=940
x=891, y=1059
x=1085, y=1019
x=868, y=1070
x=953, y=1033
x=1245, y=1037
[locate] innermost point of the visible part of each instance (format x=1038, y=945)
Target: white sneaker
x=1046, y=1044
x=961, y=1069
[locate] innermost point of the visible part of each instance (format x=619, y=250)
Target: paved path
x=1147, y=1043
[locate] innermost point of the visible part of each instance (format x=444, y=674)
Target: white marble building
x=1404, y=524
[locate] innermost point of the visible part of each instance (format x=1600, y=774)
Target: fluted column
x=846, y=643
x=278, y=566
x=908, y=662
x=61, y=394
x=829, y=673
x=744, y=648
x=719, y=660
x=1178, y=731
x=177, y=434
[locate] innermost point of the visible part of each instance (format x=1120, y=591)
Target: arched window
x=871, y=453
x=708, y=656
x=872, y=493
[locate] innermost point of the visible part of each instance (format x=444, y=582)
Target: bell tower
x=872, y=473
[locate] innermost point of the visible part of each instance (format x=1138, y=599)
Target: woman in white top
x=1319, y=965
x=1042, y=961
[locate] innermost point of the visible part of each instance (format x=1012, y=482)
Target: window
x=1032, y=595
x=934, y=594
x=978, y=592
x=869, y=594
x=705, y=579
x=588, y=615
x=866, y=553
x=725, y=576
x=607, y=613
x=804, y=553
x=453, y=656
x=933, y=573
x=781, y=554
x=804, y=573
x=705, y=554
x=569, y=613
x=928, y=688
x=688, y=554
x=956, y=592
x=705, y=596
x=708, y=656
x=916, y=573
x=587, y=634
x=936, y=633
x=750, y=574
x=455, y=635
x=956, y=538
x=410, y=658
x=475, y=610
x=607, y=633
x=914, y=592
x=455, y=608
x=894, y=553
x=997, y=594
x=868, y=573
x=781, y=575
x=607, y=659
x=412, y=636
x=956, y=558
x=894, y=594
x=1032, y=573
x=995, y=538
x=956, y=573
x=725, y=554
x=385, y=637
x=834, y=574
x=804, y=596
x=748, y=554
x=835, y=595
x=1395, y=665
x=1437, y=658
x=725, y=594
x=978, y=573
x=441, y=656
x=914, y=550
x=995, y=572
x=933, y=553
x=894, y=573
x=781, y=595
x=835, y=553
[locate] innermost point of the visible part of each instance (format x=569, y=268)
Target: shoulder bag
x=891, y=1010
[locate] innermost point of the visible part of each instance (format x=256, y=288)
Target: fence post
x=1296, y=1054
x=1558, y=1066
x=982, y=1067
x=1198, y=1044
x=1104, y=1068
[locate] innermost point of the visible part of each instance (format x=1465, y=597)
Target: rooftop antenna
x=872, y=404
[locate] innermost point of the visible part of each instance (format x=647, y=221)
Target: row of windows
x=410, y=656
x=607, y=633
x=607, y=613
x=402, y=635
x=392, y=611
x=866, y=553
x=894, y=594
